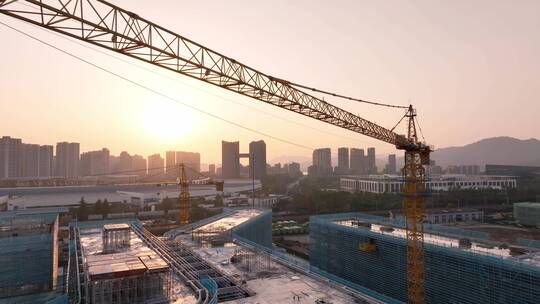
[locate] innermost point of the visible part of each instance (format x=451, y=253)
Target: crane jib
x=108, y=26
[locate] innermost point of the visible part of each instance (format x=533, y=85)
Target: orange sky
x=470, y=67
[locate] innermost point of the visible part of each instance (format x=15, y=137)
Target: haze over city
x=469, y=75
x=305, y=152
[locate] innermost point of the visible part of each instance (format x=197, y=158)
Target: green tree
x=166, y=205
x=106, y=208
x=83, y=210
x=98, y=207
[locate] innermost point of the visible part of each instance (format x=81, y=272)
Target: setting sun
x=167, y=122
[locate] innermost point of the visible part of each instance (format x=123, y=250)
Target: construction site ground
x=298, y=244
x=274, y=284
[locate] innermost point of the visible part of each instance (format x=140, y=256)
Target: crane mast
x=183, y=197
x=103, y=24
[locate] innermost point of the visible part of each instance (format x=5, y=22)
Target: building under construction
x=368, y=253
x=119, y=261
x=252, y=224
x=116, y=266
x=28, y=254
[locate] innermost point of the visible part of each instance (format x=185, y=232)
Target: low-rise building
x=394, y=183
x=447, y=216
x=527, y=214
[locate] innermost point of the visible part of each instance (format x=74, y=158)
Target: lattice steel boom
x=106, y=25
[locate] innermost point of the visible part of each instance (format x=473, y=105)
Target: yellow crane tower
x=184, y=182
x=106, y=25
x=183, y=198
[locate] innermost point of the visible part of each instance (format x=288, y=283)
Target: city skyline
x=476, y=78
x=66, y=159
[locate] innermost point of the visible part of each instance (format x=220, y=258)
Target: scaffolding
x=109, y=270
x=146, y=288
x=220, y=234
x=28, y=253
x=194, y=270
x=116, y=237
x=481, y=273
x=251, y=260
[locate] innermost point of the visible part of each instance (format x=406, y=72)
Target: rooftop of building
x=112, y=227
x=528, y=204
x=441, y=211
x=230, y=221
x=15, y=216
x=442, y=236
x=135, y=259
x=16, y=222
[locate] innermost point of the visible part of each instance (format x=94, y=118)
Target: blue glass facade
x=257, y=230
x=453, y=275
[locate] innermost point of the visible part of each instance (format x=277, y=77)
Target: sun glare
x=167, y=122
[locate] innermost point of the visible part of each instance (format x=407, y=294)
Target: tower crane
x=184, y=182
x=105, y=25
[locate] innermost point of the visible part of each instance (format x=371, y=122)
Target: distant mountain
x=495, y=150
x=284, y=159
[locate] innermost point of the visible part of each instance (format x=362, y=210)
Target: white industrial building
x=447, y=216
x=394, y=183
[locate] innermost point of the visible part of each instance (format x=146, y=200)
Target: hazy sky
x=472, y=69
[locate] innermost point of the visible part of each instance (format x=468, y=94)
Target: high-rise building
x=138, y=165
x=46, y=156
x=30, y=160
x=463, y=169
x=170, y=162
x=277, y=169
x=95, y=162
x=114, y=164
x=343, y=161
x=67, y=159
x=357, y=161
x=11, y=157
x=257, y=159
x=322, y=161
x=285, y=169
x=155, y=164
x=294, y=169
x=212, y=169
x=371, y=167
x=100, y=161
x=230, y=159
x=85, y=164
x=392, y=168
x=470, y=169
x=125, y=162
x=192, y=160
